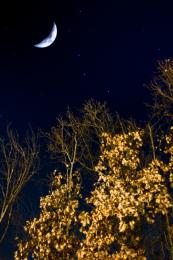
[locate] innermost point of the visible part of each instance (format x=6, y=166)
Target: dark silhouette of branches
x=75, y=141
x=18, y=165
x=161, y=89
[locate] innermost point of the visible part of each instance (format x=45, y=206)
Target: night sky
x=106, y=50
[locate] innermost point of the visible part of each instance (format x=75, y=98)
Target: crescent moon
x=49, y=39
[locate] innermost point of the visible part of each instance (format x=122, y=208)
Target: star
x=84, y=74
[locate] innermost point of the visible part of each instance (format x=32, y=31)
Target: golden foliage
x=50, y=235
x=125, y=195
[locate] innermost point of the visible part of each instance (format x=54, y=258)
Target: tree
x=132, y=169
x=161, y=88
x=75, y=141
x=52, y=234
x=161, y=109
x=127, y=196
x=129, y=193
x=18, y=165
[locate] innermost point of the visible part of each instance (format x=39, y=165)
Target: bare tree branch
x=18, y=165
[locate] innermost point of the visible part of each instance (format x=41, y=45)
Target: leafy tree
x=161, y=113
x=52, y=234
x=126, y=196
x=127, y=214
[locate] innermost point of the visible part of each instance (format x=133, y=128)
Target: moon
x=49, y=39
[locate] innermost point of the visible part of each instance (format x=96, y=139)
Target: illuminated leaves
x=51, y=235
x=134, y=193
x=126, y=194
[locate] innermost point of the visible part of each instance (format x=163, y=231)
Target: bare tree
x=161, y=88
x=74, y=142
x=18, y=164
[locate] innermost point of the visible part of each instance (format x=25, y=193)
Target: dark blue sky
x=104, y=49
